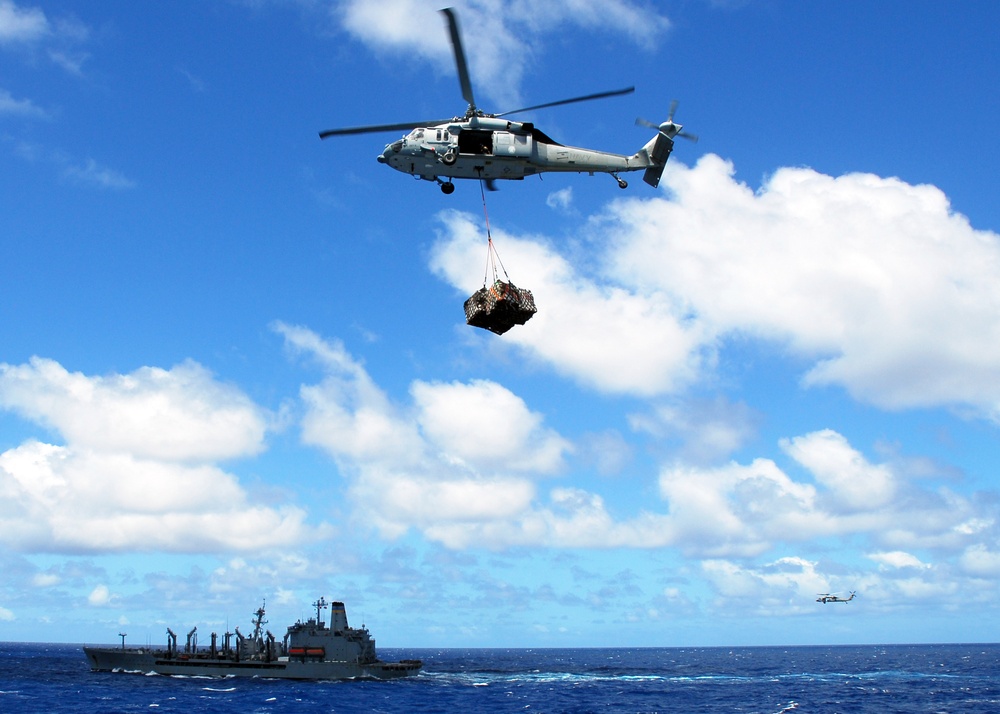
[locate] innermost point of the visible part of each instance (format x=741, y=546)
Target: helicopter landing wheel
x=622, y=183
x=448, y=188
x=449, y=158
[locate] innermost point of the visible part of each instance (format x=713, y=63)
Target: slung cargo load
x=499, y=307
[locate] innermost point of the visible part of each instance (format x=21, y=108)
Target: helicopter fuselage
x=491, y=148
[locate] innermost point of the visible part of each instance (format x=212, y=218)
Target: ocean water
x=765, y=680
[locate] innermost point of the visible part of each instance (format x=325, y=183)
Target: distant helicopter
x=488, y=147
x=827, y=597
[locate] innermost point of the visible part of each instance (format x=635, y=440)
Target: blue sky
x=234, y=364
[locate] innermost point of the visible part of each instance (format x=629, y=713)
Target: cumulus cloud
x=890, y=292
x=877, y=283
x=745, y=509
x=180, y=414
x=465, y=464
x=498, y=35
x=137, y=470
x=459, y=455
x=785, y=580
x=598, y=333
x=100, y=596
x=853, y=483
x=482, y=423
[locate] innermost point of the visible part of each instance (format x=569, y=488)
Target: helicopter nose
x=393, y=148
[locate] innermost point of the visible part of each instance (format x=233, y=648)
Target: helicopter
x=827, y=597
x=488, y=147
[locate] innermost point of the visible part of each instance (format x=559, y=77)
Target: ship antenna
x=319, y=605
x=259, y=620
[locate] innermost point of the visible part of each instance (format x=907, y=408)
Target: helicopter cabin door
x=475, y=141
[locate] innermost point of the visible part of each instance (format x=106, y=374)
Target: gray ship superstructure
x=309, y=650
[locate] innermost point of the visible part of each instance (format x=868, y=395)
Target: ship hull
x=156, y=661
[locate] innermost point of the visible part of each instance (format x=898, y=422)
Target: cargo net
x=500, y=306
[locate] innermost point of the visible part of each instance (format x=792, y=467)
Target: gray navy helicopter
x=489, y=147
x=827, y=597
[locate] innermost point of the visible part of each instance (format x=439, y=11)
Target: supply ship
x=309, y=650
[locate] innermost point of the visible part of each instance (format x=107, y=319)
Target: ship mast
x=258, y=623
x=320, y=605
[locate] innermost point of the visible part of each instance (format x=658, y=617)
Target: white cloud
x=607, y=451
x=561, y=200
x=347, y=414
x=28, y=29
x=433, y=466
x=875, y=282
x=484, y=424
x=180, y=414
x=897, y=559
x=981, y=560
x=498, y=35
x=91, y=173
x=6, y=615
x=462, y=463
x=20, y=107
x=738, y=509
x=853, y=483
x=746, y=509
x=459, y=455
x=789, y=580
x=45, y=580
x=21, y=25
x=99, y=596
x=58, y=498
x=892, y=293
x=709, y=429
x=604, y=336
x=136, y=473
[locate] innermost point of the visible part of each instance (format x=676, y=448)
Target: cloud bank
x=137, y=470
x=878, y=283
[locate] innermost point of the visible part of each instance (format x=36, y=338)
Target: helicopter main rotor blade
x=460, y=63
x=599, y=95
x=374, y=128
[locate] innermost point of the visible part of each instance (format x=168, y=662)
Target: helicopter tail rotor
x=668, y=128
x=662, y=144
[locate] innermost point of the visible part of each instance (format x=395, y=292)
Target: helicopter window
x=475, y=141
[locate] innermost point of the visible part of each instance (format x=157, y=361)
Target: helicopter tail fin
x=658, y=150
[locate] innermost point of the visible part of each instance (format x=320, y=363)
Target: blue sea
x=764, y=680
